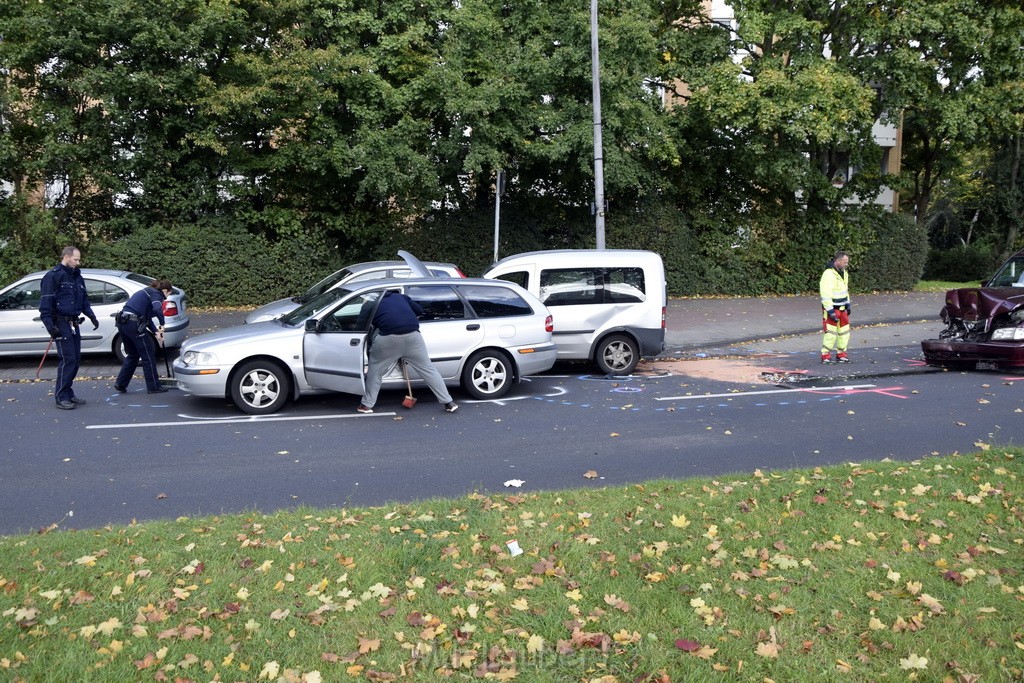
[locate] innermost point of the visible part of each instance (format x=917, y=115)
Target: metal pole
x=598, y=160
x=498, y=187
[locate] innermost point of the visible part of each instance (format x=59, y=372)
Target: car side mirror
x=312, y=325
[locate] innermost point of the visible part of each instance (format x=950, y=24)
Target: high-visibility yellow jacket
x=834, y=288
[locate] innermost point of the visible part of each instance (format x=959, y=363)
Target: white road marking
x=849, y=387
x=559, y=391
x=234, y=420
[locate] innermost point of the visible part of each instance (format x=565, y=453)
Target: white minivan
x=608, y=305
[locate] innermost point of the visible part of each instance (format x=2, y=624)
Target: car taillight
x=663, y=310
x=460, y=273
x=170, y=308
x=549, y=324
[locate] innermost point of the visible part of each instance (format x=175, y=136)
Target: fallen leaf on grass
x=368, y=645
x=270, y=671
x=687, y=645
x=680, y=521
x=705, y=652
x=913, y=662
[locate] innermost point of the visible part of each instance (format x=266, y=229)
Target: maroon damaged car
x=984, y=325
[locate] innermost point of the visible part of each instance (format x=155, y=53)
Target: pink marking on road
x=884, y=391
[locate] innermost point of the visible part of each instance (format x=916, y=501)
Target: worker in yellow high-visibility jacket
x=834, y=290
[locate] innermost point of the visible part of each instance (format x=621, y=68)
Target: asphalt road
x=137, y=457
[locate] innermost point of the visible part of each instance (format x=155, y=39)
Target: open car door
x=334, y=345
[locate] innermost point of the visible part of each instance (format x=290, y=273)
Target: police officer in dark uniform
x=62, y=304
x=133, y=322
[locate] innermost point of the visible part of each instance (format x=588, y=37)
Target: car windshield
x=315, y=305
x=1010, y=275
x=325, y=284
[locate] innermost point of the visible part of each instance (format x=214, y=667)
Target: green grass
x=854, y=572
x=943, y=286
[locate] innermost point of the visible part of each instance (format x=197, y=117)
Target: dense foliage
x=273, y=142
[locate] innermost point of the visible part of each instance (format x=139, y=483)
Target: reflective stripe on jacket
x=834, y=288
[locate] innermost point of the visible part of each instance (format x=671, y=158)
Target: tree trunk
x=1017, y=214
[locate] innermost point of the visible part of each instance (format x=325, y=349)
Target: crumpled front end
x=983, y=326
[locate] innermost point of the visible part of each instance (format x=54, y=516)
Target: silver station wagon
x=481, y=334
x=358, y=272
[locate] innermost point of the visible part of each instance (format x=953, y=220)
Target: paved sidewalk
x=702, y=325
x=778, y=339
x=696, y=328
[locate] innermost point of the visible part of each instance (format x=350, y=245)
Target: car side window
x=369, y=275
x=570, y=286
x=576, y=286
x=624, y=286
x=495, y=302
x=519, y=277
x=94, y=291
x=439, y=302
x=1012, y=273
x=403, y=273
x=112, y=294
x=352, y=316
x=24, y=296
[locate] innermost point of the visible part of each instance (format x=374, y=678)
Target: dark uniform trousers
x=137, y=347
x=69, y=354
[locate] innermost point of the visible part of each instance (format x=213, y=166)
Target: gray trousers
x=385, y=352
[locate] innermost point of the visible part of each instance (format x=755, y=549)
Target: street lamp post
x=598, y=160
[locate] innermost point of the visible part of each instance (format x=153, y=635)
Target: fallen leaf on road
x=590, y=474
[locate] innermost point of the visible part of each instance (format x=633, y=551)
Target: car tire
x=617, y=354
x=120, y=353
x=118, y=348
x=488, y=375
x=260, y=387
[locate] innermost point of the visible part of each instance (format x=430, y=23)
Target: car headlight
x=198, y=358
x=1008, y=334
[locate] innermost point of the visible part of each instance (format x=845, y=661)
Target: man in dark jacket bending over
x=396, y=334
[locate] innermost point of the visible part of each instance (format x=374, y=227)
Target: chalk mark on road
x=252, y=419
x=558, y=391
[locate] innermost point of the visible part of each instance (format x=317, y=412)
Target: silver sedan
x=22, y=331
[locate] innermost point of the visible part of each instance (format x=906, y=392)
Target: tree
x=55, y=142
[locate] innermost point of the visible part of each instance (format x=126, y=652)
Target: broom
x=409, y=401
